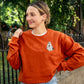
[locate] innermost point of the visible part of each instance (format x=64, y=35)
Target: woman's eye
x=32, y=14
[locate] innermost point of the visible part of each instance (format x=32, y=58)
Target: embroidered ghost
x=49, y=46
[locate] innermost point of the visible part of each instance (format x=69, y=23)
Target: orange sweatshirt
x=40, y=56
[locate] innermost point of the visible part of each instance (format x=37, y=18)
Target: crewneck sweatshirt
x=38, y=57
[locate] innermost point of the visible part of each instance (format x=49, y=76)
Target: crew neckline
x=44, y=35
x=39, y=34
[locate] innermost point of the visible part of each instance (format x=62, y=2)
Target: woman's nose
x=28, y=18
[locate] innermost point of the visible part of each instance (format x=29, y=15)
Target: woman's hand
x=56, y=71
x=18, y=33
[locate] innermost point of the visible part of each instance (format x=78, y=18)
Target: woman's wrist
x=16, y=35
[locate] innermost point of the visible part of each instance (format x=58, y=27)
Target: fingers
x=56, y=71
x=18, y=33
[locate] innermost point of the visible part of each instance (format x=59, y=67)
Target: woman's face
x=33, y=17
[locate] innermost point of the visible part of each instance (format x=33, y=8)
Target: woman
x=40, y=52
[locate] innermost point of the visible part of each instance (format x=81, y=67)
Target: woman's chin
x=31, y=27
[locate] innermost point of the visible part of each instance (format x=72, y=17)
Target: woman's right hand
x=18, y=33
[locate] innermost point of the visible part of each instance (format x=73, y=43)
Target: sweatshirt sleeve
x=75, y=53
x=13, y=56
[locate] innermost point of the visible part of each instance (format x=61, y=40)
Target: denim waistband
x=52, y=81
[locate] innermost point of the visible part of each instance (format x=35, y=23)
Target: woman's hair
x=43, y=9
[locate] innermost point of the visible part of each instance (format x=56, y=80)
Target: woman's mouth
x=30, y=22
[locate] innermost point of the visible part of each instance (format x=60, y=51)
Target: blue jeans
x=52, y=81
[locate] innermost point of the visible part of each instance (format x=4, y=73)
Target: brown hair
x=43, y=9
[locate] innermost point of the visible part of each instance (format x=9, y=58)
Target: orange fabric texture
x=38, y=57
